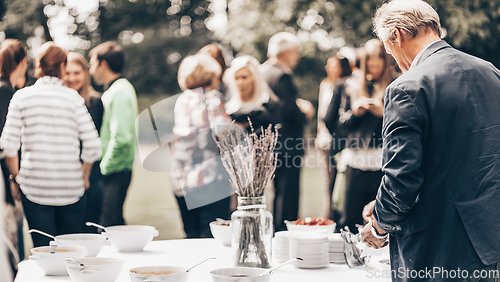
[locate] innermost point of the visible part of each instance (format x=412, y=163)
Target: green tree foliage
x=156, y=35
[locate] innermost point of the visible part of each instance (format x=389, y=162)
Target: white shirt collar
x=417, y=58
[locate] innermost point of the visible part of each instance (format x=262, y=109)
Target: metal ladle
x=276, y=267
x=198, y=264
x=96, y=225
x=53, y=244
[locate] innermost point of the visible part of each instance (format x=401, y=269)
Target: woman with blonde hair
x=362, y=156
x=252, y=98
x=77, y=77
x=56, y=132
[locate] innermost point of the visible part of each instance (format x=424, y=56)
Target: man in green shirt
x=118, y=128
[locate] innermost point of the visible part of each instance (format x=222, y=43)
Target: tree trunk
x=42, y=19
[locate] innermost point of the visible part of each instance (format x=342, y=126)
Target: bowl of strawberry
x=318, y=224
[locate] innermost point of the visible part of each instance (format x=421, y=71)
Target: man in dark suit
x=277, y=71
x=439, y=198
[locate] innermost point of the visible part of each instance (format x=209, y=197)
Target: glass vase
x=252, y=233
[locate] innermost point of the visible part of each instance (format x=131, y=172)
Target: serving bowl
x=93, y=242
x=159, y=273
x=130, y=238
x=240, y=274
x=94, y=269
x=55, y=264
x=221, y=233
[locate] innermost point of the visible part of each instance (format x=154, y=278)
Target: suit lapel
x=431, y=50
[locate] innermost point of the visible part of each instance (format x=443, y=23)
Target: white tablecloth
x=186, y=253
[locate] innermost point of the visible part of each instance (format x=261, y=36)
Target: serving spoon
x=53, y=244
x=276, y=267
x=41, y=232
x=75, y=260
x=96, y=225
x=198, y=264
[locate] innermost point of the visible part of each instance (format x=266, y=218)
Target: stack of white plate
x=281, y=246
x=312, y=247
x=336, y=249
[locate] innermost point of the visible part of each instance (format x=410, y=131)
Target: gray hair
x=411, y=17
x=281, y=42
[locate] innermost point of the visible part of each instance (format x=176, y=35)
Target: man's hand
x=368, y=211
x=306, y=107
x=370, y=240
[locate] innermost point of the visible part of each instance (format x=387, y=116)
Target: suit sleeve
x=287, y=93
x=402, y=160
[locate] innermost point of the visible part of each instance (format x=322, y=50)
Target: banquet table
x=188, y=252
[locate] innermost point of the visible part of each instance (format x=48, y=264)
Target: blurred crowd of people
x=67, y=151
x=350, y=110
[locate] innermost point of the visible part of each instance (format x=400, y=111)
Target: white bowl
x=95, y=269
x=154, y=273
x=55, y=264
x=93, y=242
x=234, y=274
x=130, y=238
x=221, y=233
x=330, y=228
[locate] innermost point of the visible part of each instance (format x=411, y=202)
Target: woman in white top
x=50, y=121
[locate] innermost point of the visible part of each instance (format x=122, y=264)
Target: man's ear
x=399, y=38
x=104, y=63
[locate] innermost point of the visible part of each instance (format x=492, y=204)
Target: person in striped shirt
x=50, y=120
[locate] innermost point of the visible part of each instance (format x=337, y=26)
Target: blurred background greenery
x=158, y=34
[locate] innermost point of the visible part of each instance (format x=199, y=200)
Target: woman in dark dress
x=251, y=98
x=77, y=77
x=362, y=156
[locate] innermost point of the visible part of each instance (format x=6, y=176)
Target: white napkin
x=369, y=251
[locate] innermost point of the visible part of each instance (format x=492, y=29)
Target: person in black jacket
x=439, y=195
x=277, y=71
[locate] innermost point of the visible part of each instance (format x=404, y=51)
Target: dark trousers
x=55, y=220
x=196, y=221
x=361, y=188
x=115, y=190
x=94, y=195
x=286, y=195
